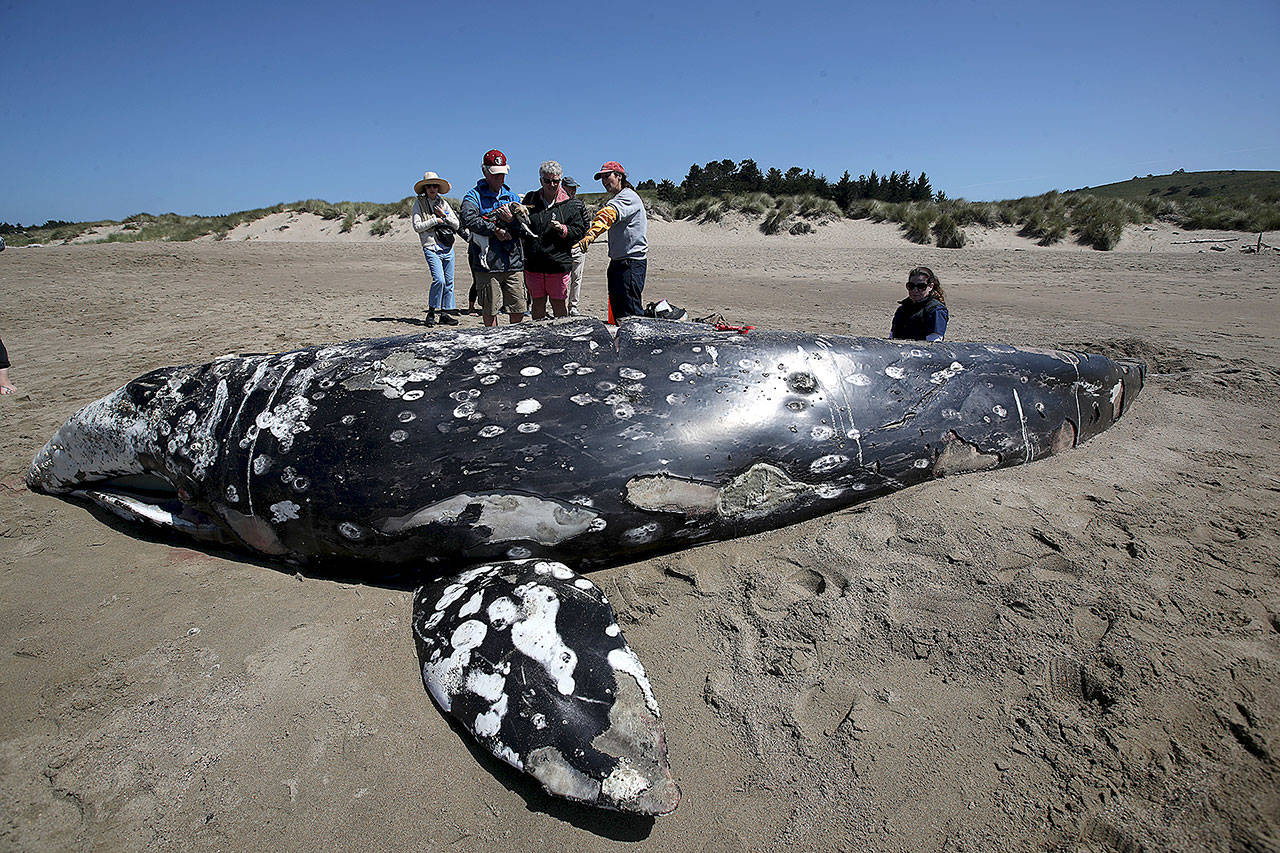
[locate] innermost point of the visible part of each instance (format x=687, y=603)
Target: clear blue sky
x=112, y=109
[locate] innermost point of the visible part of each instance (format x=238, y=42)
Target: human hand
x=504, y=213
x=562, y=228
x=582, y=245
x=501, y=234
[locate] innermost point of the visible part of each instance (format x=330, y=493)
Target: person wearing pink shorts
x=558, y=221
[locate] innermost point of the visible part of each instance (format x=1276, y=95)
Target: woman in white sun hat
x=436, y=224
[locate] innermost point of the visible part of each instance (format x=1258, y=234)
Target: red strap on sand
x=726, y=327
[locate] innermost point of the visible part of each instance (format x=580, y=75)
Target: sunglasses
x=551, y=180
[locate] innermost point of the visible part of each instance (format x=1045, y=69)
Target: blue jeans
x=626, y=283
x=441, y=263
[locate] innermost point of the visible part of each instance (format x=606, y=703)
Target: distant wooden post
x=1259, y=243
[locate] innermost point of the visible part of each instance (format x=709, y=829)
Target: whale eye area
x=802, y=383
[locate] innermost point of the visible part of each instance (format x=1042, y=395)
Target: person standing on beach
x=560, y=222
x=436, y=224
x=6, y=387
x=495, y=254
x=923, y=315
x=579, y=257
x=624, y=217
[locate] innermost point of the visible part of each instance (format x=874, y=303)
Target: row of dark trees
x=725, y=177
x=19, y=228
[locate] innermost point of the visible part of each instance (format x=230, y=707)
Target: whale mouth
x=151, y=500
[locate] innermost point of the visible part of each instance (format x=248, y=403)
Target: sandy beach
x=1078, y=654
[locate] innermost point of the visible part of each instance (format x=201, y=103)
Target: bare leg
x=515, y=318
x=539, y=307
x=560, y=307
x=491, y=319
x=6, y=387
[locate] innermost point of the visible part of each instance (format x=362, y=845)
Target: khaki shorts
x=500, y=293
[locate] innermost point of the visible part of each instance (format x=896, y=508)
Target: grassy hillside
x=1233, y=185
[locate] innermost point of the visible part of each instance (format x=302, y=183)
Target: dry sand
x=1079, y=654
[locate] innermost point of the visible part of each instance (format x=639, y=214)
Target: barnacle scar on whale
x=489, y=462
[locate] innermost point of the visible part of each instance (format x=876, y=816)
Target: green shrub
x=1250, y=214
x=801, y=227
x=319, y=207
x=917, y=225
x=774, y=221
x=380, y=227
x=812, y=206
x=859, y=208
x=348, y=222
x=947, y=233
x=660, y=209
x=1098, y=226
x=751, y=203
x=879, y=211
x=693, y=208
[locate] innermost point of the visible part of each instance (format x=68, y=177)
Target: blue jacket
x=478, y=217
x=925, y=321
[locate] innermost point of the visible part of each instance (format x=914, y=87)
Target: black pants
x=626, y=283
x=4, y=356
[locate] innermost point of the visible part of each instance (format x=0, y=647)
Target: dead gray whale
x=490, y=461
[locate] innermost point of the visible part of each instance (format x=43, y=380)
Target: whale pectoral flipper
x=528, y=657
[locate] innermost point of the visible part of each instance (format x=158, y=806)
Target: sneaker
x=448, y=319
x=573, y=312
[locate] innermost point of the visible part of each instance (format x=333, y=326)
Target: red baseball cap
x=495, y=162
x=611, y=166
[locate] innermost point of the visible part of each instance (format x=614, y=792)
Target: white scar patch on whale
x=444, y=677
x=536, y=636
x=625, y=660
x=203, y=448
x=287, y=420
x=528, y=407
x=942, y=376
x=824, y=464
x=284, y=511
x=508, y=517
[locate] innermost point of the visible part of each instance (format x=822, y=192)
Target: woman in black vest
x=923, y=315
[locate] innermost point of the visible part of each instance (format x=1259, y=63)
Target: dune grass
x=1092, y=220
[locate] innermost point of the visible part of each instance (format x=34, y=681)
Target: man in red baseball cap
x=624, y=217
x=495, y=254
x=495, y=162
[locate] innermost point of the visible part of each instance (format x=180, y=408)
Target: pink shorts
x=551, y=284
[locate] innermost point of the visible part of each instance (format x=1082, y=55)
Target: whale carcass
x=489, y=462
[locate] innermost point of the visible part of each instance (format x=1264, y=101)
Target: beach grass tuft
x=947, y=233
x=917, y=223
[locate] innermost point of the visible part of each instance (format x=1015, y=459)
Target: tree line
x=725, y=177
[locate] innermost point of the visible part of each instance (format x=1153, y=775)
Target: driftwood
x=1214, y=240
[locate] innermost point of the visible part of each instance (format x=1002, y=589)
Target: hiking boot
x=431, y=316
x=448, y=319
